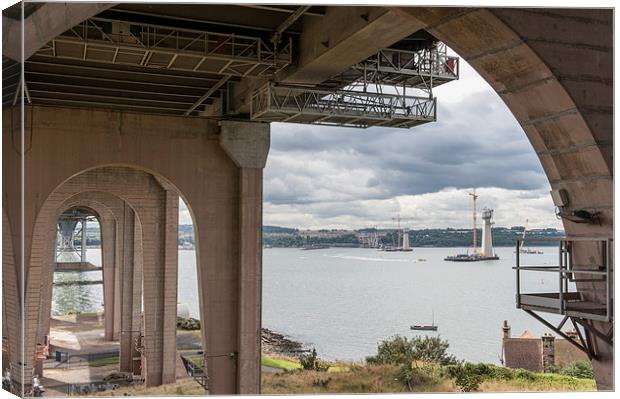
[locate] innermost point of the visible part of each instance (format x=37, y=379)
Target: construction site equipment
x=121, y=42
x=298, y=104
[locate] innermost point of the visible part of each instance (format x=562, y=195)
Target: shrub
x=579, y=369
x=400, y=350
x=188, y=324
x=468, y=377
x=413, y=376
x=397, y=350
x=311, y=361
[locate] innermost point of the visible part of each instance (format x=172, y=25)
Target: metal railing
x=575, y=303
x=285, y=103
x=194, y=370
x=163, y=47
x=422, y=69
x=567, y=301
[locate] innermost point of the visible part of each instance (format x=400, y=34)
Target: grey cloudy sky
x=331, y=177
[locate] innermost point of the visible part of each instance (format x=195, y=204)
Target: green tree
x=400, y=350
x=396, y=350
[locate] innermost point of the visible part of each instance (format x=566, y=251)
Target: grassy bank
x=385, y=379
x=281, y=363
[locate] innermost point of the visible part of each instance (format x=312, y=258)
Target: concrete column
x=170, y=284
x=108, y=258
x=160, y=247
x=248, y=145
x=250, y=279
x=131, y=288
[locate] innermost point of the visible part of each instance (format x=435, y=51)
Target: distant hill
x=189, y=229
x=278, y=230
x=277, y=236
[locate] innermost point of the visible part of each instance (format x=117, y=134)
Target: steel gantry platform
x=283, y=103
x=162, y=47
x=422, y=69
x=582, y=308
x=393, y=88
x=150, y=62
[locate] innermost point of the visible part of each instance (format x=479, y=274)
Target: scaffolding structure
x=162, y=47
x=299, y=104
x=581, y=310
x=422, y=69
x=393, y=88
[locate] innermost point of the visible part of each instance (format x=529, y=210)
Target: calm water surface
x=344, y=301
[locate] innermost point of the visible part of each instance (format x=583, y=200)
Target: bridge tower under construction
x=487, y=236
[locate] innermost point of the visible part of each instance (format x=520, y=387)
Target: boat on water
x=315, y=246
x=522, y=248
x=474, y=257
x=425, y=327
x=530, y=251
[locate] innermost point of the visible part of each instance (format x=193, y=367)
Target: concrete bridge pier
x=160, y=257
x=247, y=144
x=130, y=261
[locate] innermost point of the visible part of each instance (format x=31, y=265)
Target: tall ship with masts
x=486, y=252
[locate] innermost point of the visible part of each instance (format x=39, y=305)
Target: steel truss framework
x=583, y=313
x=422, y=70
x=283, y=103
x=159, y=47
x=371, y=93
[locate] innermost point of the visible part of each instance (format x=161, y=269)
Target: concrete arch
x=209, y=179
x=44, y=24
x=533, y=84
x=122, y=271
x=558, y=85
x=108, y=216
x=148, y=199
x=11, y=302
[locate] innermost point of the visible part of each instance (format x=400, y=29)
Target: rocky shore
x=278, y=344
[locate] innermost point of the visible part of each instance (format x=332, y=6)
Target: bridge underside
x=127, y=107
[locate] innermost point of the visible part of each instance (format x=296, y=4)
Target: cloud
x=449, y=207
x=320, y=176
x=475, y=143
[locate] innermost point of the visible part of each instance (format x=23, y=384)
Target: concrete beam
x=330, y=45
x=44, y=24
x=343, y=37
x=246, y=143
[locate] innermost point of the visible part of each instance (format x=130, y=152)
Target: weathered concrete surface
x=107, y=223
x=156, y=144
x=109, y=209
x=131, y=288
x=343, y=37
x=246, y=143
x=44, y=24
x=144, y=194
